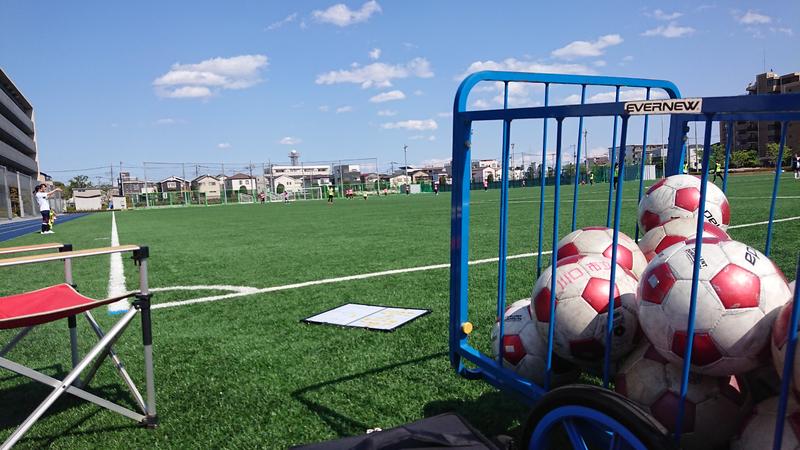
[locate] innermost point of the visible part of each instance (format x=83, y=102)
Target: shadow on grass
x=20, y=400
x=340, y=423
x=492, y=413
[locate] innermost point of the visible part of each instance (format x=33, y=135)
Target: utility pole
x=405, y=157
x=586, y=146
x=111, y=166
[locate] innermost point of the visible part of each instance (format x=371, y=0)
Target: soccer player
x=485, y=185
x=591, y=178
x=616, y=175
x=436, y=188
x=44, y=206
x=330, y=194
x=262, y=196
x=717, y=171
x=796, y=166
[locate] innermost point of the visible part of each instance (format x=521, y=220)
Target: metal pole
x=146, y=196
x=405, y=157
x=778, y=164
x=578, y=164
x=613, y=163
x=224, y=189
x=728, y=145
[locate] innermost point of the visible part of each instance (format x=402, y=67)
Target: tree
x=490, y=178
x=744, y=158
x=79, y=182
x=772, y=153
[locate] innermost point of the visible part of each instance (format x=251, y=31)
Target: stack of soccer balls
x=740, y=293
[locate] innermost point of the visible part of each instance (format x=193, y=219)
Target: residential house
x=288, y=184
x=399, y=180
x=173, y=184
x=208, y=185
x=420, y=176
x=241, y=182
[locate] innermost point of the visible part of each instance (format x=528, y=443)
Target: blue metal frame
x=782, y=108
x=460, y=349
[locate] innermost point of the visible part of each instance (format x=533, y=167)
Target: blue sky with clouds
x=250, y=80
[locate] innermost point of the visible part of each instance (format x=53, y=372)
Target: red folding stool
x=62, y=301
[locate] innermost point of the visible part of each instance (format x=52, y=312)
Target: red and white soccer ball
x=780, y=337
x=715, y=406
x=679, y=196
x=582, y=297
x=599, y=241
x=524, y=350
x=675, y=231
x=740, y=292
x=758, y=431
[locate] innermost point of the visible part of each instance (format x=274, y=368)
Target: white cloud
x=388, y=96
x=661, y=15
x=289, y=140
x=187, y=92
x=420, y=137
x=625, y=95
x=344, y=109
x=387, y=113
x=342, y=16
x=673, y=30
x=628, y=58
x=288, y=19
x=418, y=92
x=169, y=121
x=208, y=77
x=377, y=74
x=580, y=49
x=753, y=18
x=786, y=31
x=515, y=65
x=375, y=53
x=436, y=162
x=417, y=125
x=324, y=108
x=224, y=145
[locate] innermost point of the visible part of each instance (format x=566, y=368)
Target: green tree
x=79, y=182
x=744, y=158
x=490, y=178
x=772, y=153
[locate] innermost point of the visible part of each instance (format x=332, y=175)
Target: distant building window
x=171, y=185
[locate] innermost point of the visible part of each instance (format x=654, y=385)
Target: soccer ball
x=582, y=294
x=739, y=295
x=679, y=196
x=599, y=241
x=675, y=231
x=780, y=337
x=524, y=350
x=714, y=406
x=759, y=428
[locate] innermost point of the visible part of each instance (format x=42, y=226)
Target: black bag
x=442, y=431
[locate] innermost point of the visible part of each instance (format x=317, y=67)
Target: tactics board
x=371, y=317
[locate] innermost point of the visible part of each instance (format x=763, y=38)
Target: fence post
x=19, y=197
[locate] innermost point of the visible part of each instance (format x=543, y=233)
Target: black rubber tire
x=652, y=434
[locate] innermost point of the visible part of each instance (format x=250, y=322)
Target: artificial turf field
x=245, y=372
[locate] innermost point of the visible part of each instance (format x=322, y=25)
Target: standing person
x=796, y=166
x=330, y=194
x=44, y=206
x=591, y=178
x=686, y=167
x=408, y=189
x=436, y=188
x=616, y=175
x=262, y=196
x=485, y=185
x=523, y=182
x=717, y=171
x=285, y=197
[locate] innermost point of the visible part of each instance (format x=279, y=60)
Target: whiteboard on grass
x=372, y=317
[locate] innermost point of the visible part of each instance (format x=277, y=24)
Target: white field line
x=116, y=275
x=363, y=276
x=241, y=291
x=754, y=224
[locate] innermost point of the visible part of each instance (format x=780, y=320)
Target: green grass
x=246, y=372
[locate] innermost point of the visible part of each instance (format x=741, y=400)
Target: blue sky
x=249, y=81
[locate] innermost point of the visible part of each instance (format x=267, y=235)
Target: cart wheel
x=590, y=417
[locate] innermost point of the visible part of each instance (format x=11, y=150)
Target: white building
x=208, y=185
x=88, y=199
x=240, y=181
x=306, y=175
x=288, y=184
x=398, y=180
x=481, y=174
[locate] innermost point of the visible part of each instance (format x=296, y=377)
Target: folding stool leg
x=68, y=381
x=143, y=304
x=117, y=364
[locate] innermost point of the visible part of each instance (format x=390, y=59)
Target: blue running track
x=14, y=229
